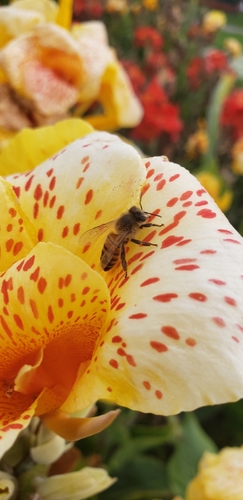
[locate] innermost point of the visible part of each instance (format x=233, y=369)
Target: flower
x=213, y=20
x=214, y=186
x=219, y=476
x=148, y=36
x=77, y=485
x=46, y=70
x=237, y=154
x=233, y=46
x=232, y=113
x=197, y=143
x=157, y=340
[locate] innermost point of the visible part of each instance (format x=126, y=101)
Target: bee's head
x=138, y=214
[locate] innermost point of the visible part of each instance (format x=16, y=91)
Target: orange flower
x=157, y=340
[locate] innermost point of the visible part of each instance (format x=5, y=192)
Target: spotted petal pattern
x=166, y=338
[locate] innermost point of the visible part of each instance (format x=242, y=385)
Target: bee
x=125, y=228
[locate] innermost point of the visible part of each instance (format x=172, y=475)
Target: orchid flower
x=50, y=69
x=165, y=338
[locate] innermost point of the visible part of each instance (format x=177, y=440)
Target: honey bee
x=124, y=230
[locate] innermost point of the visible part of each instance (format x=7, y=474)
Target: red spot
x=158, y=177
x=76, y=228
x=120, y=306
x=84, y=276
x=98, y=214
x=135, y=257
x=35, y=210
x=26, y=417
x=60, y=211
x=86, y=290
x=206, y=213
x=121, y=352
x=187, y=204
x=17, y=247
x=42, y=283
x=184, y=261
x=9, y=227
x=86, y=167
x=29, y=263
x=138, y=316
x=16, y=189
x=38, y=192
x=160, y=185
x=84, y=160
x=7, y=329
x=130, y=360
x=12, y=212
x=50, y=314
x=69, y=314
x=40, y=234
x=171, y=240
x=235, y=339
x=230, y=240
x=186, y=195
x=45, y=198
x=147, y=255
x=147, y=385
x=52, y=201
x=158, y=346
x=174, y=177
x=150, y=281
x=190, y=341
x=165, y=297
x=20, y=295
x=73, y=297
x=200, y=192
x=89, y=196
x=116, y=339
x=113, y=363
x=9, y=243
x=28, y=183
x=20, y=265
x=34, y=309
x=158, y=394
x=145, y=188
x=200, y=297
x=208, y=251
x=219, y=321
x=109, y=389
x=189, y=267
x=136, y=269
x=230, y=301
x=201, y=203
x=217, y=282
x=170, y=332
x=150, y=173
x=61, y=283
x=67, y=280
x=60, y=302
x=18, y=321
x=65, y=232
x=79, y=182
x=147, y=164
x=183, y=242
x=240, y=327
x=102, y=343
x=52, y=183
x=172, y=202
x=35, y=275
x=225, y=231
x=49, y=172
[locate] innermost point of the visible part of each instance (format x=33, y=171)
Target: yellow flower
x=219, y=476
x=237, y=154
x=213, y=20
x=197, y=143
x=48, y=72
x=71, y=333
x=233, y=46
x=213, y=185
x=150, y=4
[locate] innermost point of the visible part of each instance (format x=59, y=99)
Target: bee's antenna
x=155, y=215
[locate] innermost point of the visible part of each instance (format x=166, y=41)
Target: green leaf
x=182, y=466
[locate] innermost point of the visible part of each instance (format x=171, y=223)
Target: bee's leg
x=123, y=258
x=150, y=224
x=144, y=243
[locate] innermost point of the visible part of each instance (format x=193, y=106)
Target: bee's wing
x=92, y=235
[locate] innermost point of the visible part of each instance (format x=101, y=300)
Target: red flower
x=215, y=60
x=232, y=114
x=196, y=72
x=90, y=9
x=135, y=74
x=146, y=35
x=160, y=115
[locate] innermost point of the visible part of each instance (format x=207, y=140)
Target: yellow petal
x=91, y=173
x=177, y=320
x=73, y=429
x=64, y=16
x=61, y=313
x=47, y=8
x=121, y=107
x=18, y=233
x=14, y=22
x=35, y=146
x=77, y=485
